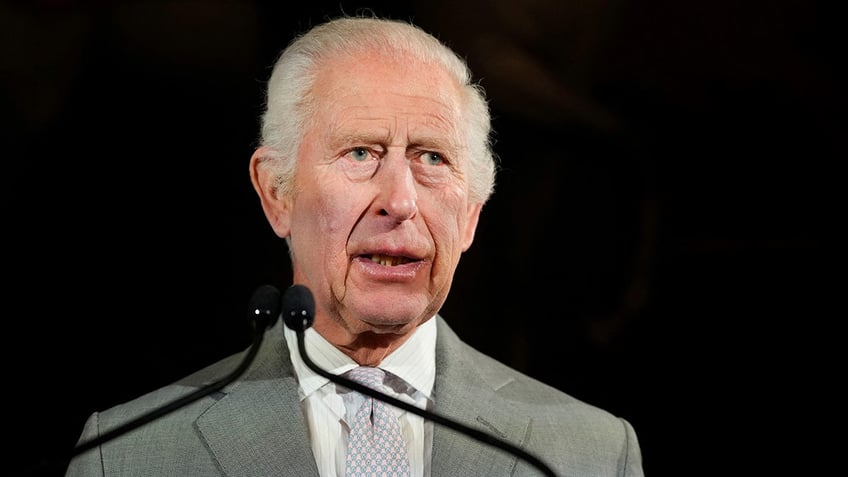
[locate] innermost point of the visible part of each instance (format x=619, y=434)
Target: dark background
x=658, y=243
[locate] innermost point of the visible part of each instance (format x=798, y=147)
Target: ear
x=471, y=225
x=277, y=208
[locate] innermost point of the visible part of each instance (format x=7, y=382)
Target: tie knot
x=367, y=376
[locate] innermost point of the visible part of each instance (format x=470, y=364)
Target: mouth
x=388, y=260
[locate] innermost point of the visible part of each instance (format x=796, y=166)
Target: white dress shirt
x=410, y=373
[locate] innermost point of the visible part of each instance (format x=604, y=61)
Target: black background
x=658, y=243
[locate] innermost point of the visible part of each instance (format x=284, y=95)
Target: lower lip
x=397, y=273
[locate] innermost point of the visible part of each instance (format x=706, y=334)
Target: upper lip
x=405, y=255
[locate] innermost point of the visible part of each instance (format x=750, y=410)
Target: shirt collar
x=414, y=361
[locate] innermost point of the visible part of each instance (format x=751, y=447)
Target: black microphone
x=264, y=308
x=299, y=314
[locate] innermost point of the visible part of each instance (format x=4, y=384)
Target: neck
x=369, y=356
x=365, y=348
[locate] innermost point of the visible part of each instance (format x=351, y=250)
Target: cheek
x=331, y=212
x=447, y=226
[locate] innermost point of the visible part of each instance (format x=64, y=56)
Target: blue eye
x=432, y=158
x=360, y=154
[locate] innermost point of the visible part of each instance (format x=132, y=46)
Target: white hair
x=289, y=106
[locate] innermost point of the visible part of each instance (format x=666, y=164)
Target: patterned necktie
x=375, y=446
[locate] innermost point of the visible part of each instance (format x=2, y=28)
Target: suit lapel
x=257, y=428
x=469, y=395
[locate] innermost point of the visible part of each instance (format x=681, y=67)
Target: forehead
x=379, y=86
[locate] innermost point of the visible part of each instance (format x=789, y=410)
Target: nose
x=398, y=194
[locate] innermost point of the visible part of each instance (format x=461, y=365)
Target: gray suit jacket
x=256, y=427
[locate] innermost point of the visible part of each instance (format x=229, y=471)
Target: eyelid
x=372, y=151
x=442, y=157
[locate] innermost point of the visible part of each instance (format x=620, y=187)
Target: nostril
x=400, y=210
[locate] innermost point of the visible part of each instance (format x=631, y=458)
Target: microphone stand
x=265, y=308
x=177, y=403
x=361, y=388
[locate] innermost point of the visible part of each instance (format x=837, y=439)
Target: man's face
x=380, y=215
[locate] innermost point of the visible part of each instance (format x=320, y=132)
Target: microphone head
x=265, y=306
x=298, y=308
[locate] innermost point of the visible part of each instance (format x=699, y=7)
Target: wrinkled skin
x=382, y=175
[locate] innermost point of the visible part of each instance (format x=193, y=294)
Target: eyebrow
x=340, y=135
x=425, y=137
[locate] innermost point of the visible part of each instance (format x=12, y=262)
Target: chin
x=393, y=309
x=381, y=324
x=384, y=323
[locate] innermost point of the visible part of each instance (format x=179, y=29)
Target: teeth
x=388, y=260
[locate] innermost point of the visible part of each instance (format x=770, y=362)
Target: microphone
x=299, y=314
x=264, y=308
